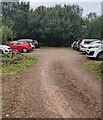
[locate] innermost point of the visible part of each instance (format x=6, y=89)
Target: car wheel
x=24, y=50
x=100, y=56
x=1, y=52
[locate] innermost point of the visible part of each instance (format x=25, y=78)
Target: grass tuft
x=95, y=68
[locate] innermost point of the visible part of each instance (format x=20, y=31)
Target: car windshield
x=94, y=42
x=13, y=43
x=87, y=42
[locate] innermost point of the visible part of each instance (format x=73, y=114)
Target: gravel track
x=58, y=86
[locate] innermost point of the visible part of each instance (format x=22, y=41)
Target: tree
x=91, y=16
x=93, y=26
x=15, y=16
x=6, y=33
x=56, y=26
x=52, y=26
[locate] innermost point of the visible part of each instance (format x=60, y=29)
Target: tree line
x=51, y=26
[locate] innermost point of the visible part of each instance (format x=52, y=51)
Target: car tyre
x=24, y=50
x=1, y=52
x=100, y=56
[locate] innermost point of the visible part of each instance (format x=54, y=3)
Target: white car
x=95, y=51
x=86, y=42
x=5, y=49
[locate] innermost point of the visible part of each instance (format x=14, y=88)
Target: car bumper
x=82, y=49
x=90, y=53
x=7, y=52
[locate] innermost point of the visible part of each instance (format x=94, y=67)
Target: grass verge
x=20, y=65
x=95, y=68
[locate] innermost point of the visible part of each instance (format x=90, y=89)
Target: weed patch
x=95, y=67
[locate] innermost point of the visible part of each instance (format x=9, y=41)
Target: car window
x=98, y=42
x=13, y=43
x=101, y=42
x=87, y=42
x=94, y=42
x=30, y=42
x=20, y=43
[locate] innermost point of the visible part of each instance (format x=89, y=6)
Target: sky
x=87, y=5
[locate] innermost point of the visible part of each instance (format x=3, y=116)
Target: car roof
x=25, y=39
x=89, y=39
x=96, y=41
x=14, y=41
x=18, y=41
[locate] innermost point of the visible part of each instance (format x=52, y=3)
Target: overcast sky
x=93, y=6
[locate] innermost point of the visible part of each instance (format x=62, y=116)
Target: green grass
x=7, y=59
x=95, y=68
x=17, y=64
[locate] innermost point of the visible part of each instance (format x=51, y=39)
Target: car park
x=21, y=46
x=95, y=51
x=5, y=49
x=85, y=43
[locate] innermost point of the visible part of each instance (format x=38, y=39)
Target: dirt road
x=58, y=86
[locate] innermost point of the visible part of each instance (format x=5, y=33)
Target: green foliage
x=15, y=15
x=7, y=59
x=55, y=26
x=95, y=67
x=94, y=27
x=6, y=33
x=21, y=65
x=51, y=26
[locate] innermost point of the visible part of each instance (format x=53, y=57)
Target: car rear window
x=30, y=42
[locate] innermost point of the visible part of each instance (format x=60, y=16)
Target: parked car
x=21, y=46
x=37, y=45
x=73, y=44
x=95, y=51
x=30, y=41
x=5, y=49
x=84, y=44
x=33, y=43
x=77, y=46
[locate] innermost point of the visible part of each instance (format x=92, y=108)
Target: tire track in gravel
x=80, y=98
x=55, y=96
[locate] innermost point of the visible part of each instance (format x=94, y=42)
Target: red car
x=21, y=46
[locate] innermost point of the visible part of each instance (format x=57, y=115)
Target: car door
x=20, y=45
x=13, y=45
